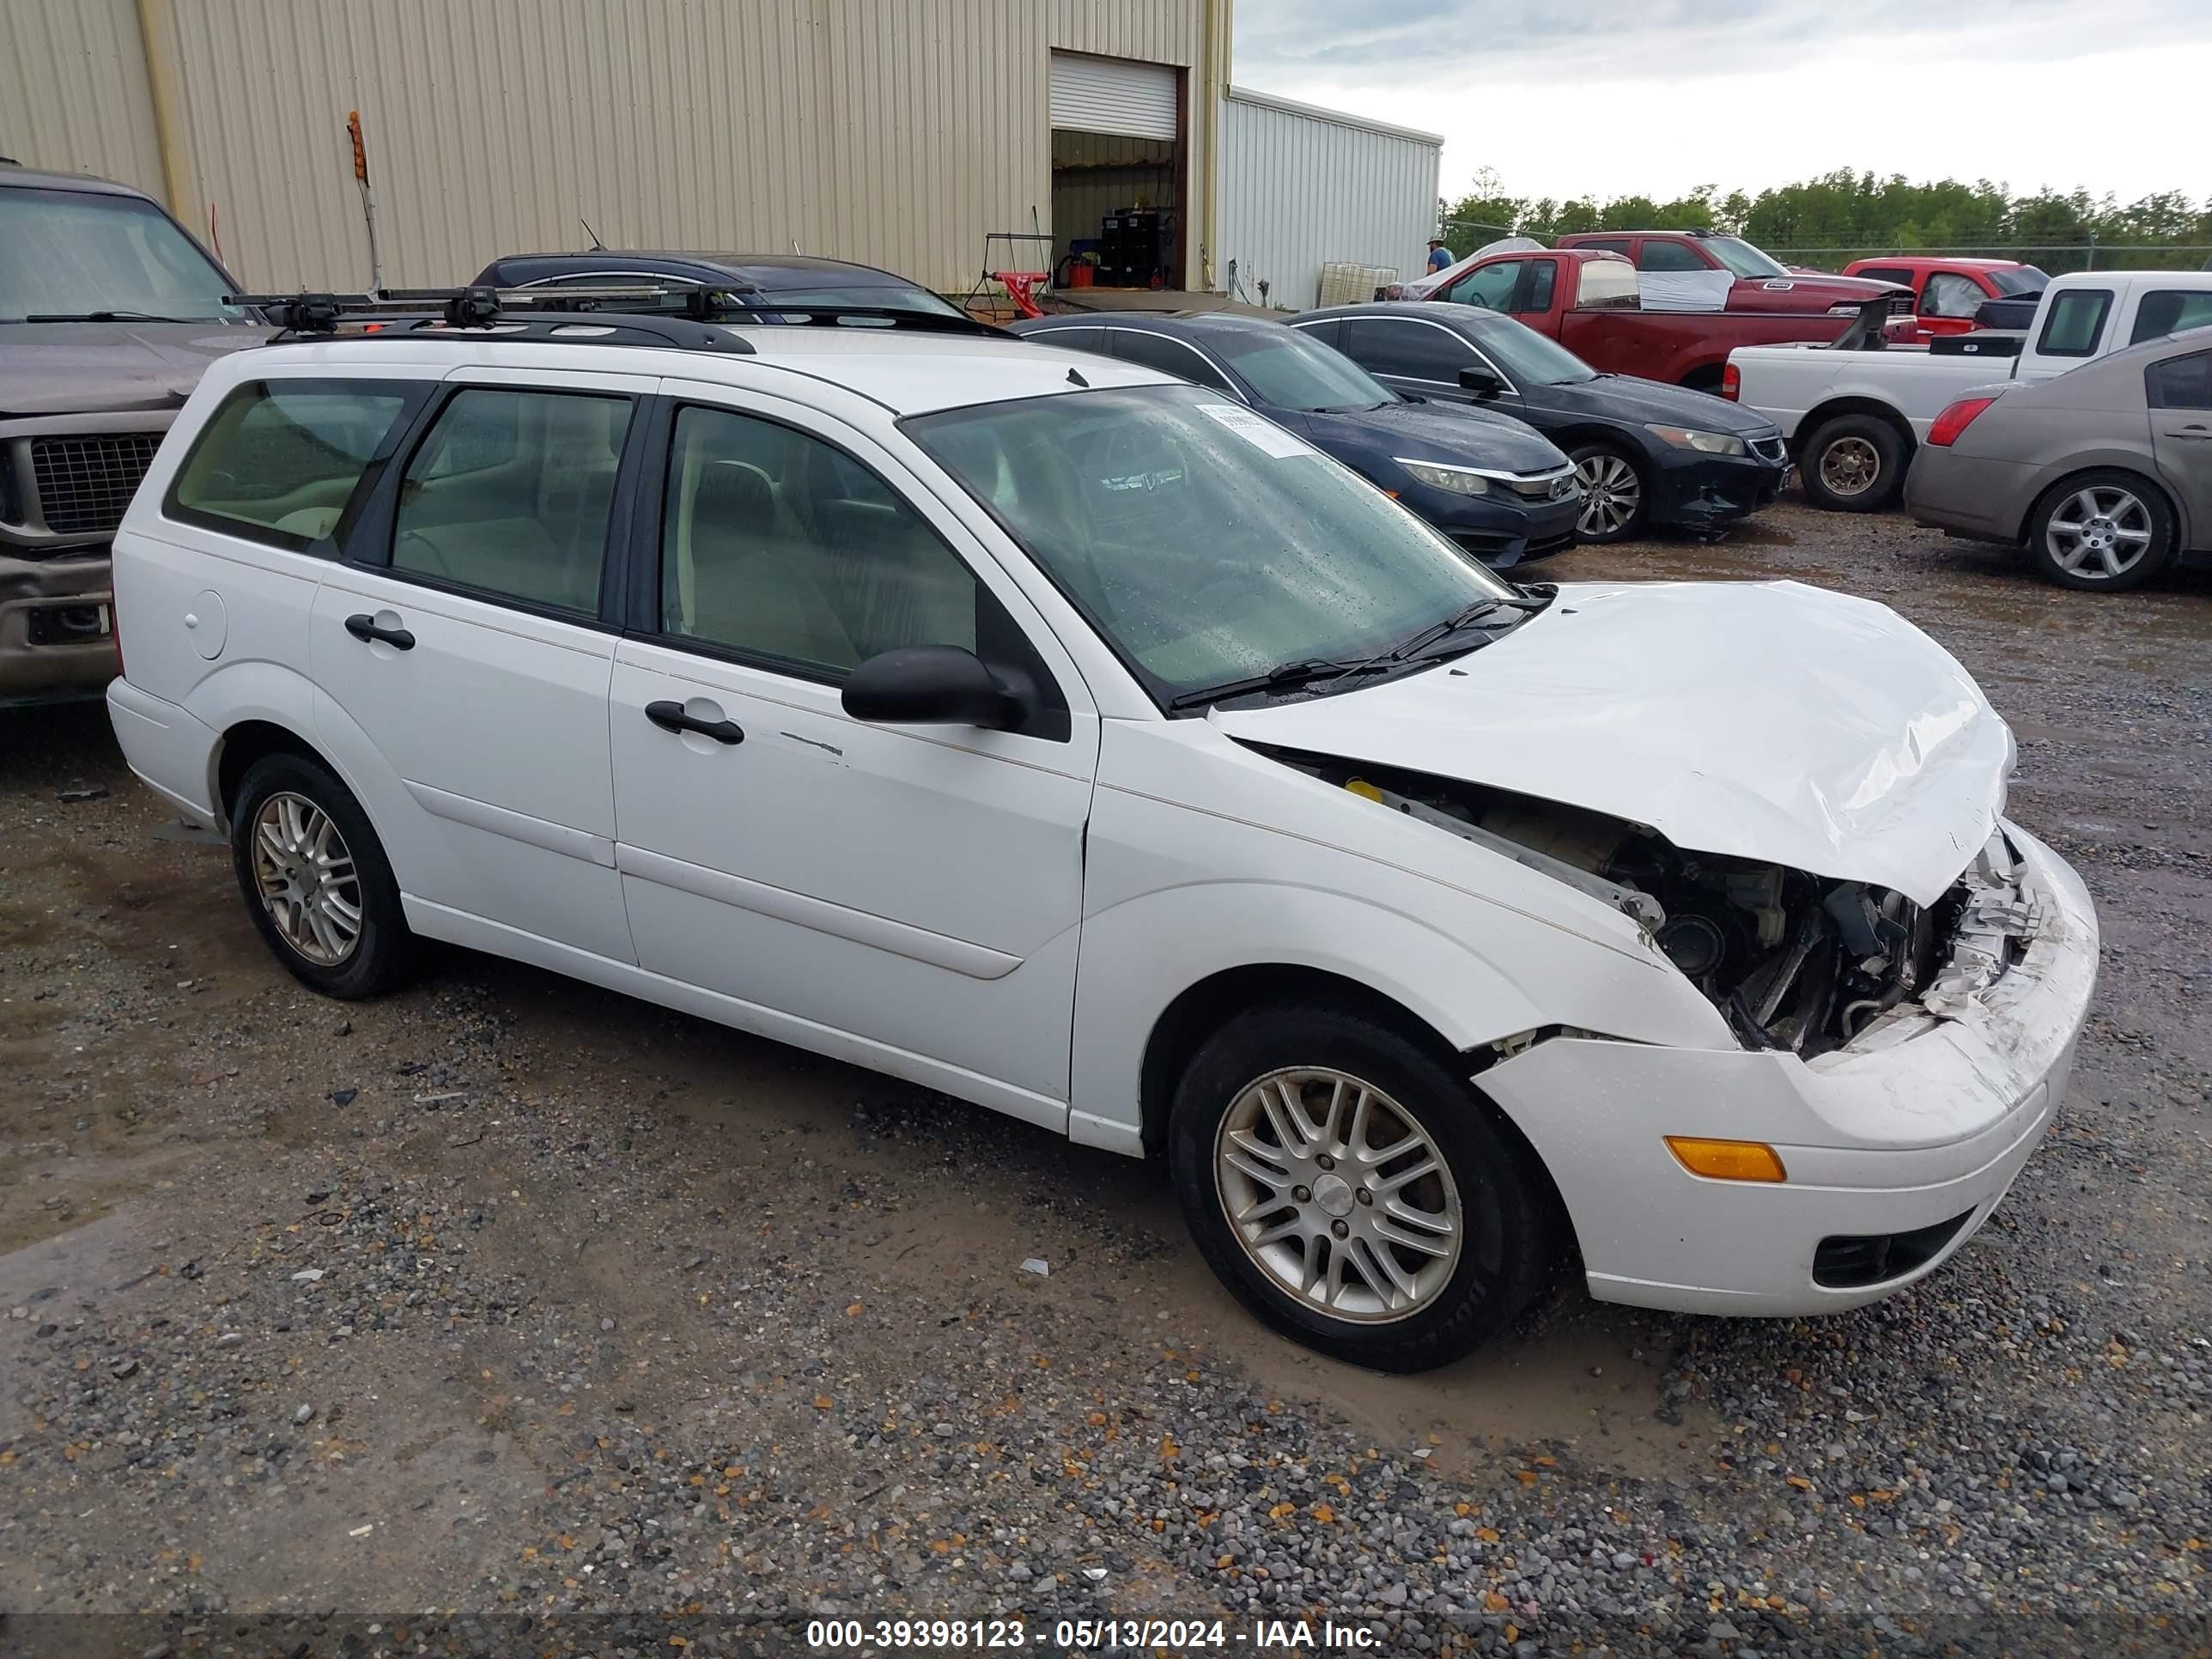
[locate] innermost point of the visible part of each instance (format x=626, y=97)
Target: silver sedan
x=2102, y=476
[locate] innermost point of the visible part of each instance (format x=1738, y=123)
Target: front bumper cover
x=1924, y=1117
x=1701, y=492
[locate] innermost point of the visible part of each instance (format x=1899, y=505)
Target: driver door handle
x=669, y=716
x=364, y=628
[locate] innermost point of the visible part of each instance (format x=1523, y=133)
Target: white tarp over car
x=1766, y=721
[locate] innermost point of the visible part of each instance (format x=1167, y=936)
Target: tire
x=1855, y=464
x=1461, y=1287
x=2116, y=527
x=1616, y=493
x=306, y=856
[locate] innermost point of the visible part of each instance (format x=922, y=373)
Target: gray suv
x=109, y=313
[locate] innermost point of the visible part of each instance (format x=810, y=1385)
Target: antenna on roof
x=596, y=246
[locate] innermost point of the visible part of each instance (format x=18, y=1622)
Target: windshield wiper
x=112, y=317
x=1281, y=677
x=1486, y=606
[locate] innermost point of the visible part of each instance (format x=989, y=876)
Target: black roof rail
x=481, y=307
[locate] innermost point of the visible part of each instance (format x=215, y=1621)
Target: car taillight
x=1731, y=382
x=1956, y=419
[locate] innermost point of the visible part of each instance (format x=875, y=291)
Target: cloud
x=1612, y=97
x=1477, y=42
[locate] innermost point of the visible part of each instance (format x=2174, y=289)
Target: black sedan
x=1647, y=453
x=790, y=279
x=1499, y=489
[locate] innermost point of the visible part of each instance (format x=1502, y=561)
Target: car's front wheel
x=315, y=878
x=1615, y=498
x=1355, y=1193
x=2106, y=531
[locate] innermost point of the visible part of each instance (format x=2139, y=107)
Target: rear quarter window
x=280, y=461
x=2074, y=323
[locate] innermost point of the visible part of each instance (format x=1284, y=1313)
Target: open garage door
x=1117, y=172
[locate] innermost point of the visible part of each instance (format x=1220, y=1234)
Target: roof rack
x=486, y=308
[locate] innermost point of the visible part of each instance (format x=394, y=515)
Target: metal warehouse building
x=897, y=132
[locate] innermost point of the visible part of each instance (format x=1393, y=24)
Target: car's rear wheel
x=2105, y=531
x=315, y=878
x=1855, y=464
x=1355, y=1193
x=1615, y=499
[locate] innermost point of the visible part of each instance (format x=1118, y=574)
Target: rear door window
x=2180, y=382
x=1950, y=295
x=1169, y=357
x=1668, y=256
x=2170, y=310
x=281, y=460
x=2074, y=323
x=509, y=496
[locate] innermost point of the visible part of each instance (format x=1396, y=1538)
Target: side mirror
x=933, y=685
x=1483, y=382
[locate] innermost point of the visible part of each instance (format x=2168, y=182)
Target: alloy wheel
x=2098, y=533
x=1610, y=495
x=1338, y=1195
x=1849, y=466
x=307, y=878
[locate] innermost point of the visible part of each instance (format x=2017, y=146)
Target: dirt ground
x=506, y=1299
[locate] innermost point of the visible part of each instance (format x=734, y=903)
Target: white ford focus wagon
x=1076, y=741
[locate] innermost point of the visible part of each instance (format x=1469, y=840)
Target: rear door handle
x=364, y=628
x=669, y=716
x=2198, y=433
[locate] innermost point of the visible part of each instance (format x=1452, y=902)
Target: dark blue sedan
x=1494, y=484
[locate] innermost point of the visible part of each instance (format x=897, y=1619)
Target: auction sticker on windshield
x=1257, y=430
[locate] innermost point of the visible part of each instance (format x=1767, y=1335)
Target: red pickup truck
x=1949, y=295
x=1587, y=300
x=1757, y=281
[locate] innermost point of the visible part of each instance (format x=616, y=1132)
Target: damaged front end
x=1796, y=961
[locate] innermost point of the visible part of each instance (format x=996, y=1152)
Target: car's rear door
x=461, y=660
x=2179, y=392
x=906, y=897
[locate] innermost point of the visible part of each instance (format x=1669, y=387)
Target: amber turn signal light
x=1727, y=1160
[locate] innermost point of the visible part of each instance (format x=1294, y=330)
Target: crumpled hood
x=68, y=368
x=1625, y=397
x=1447, y=433
x=1768, y=721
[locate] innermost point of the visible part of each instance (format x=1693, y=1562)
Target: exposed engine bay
x=1796, y=961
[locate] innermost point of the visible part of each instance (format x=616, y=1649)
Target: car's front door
x=1423, y=359
x=2180, y=396
x=460, y=657
x=907, y=896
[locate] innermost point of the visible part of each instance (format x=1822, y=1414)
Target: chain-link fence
x=2057, y=259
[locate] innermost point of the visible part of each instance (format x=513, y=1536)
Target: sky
x=1567, y=98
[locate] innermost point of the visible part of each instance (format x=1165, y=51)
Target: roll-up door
x=1113, y=95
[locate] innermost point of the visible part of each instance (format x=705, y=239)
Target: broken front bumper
x=56, y=627
x=1897, y=1146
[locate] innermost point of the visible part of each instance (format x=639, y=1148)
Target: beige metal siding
x=1301, y=187
x=73, y=92
x=892, y=131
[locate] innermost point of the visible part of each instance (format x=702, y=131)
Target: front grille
x=1546, y=487
x=1770, y=449
x=85, y=483
x=1847, y=1261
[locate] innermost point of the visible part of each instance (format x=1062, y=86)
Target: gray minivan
x=109, y=313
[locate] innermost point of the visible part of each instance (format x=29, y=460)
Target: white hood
x=1768, y=720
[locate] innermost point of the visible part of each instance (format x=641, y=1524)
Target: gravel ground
x=505, y=1316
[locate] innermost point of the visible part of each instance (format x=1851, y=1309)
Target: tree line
x=1844, y=216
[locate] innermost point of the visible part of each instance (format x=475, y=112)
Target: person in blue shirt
x=1439, y=255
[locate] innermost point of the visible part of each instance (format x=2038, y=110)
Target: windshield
x=72, y=253
x=1290, y=370
x=1532, y=358
x=1741, y=257
x=882, y=296
x=2022, y=279
x=1206, y=543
